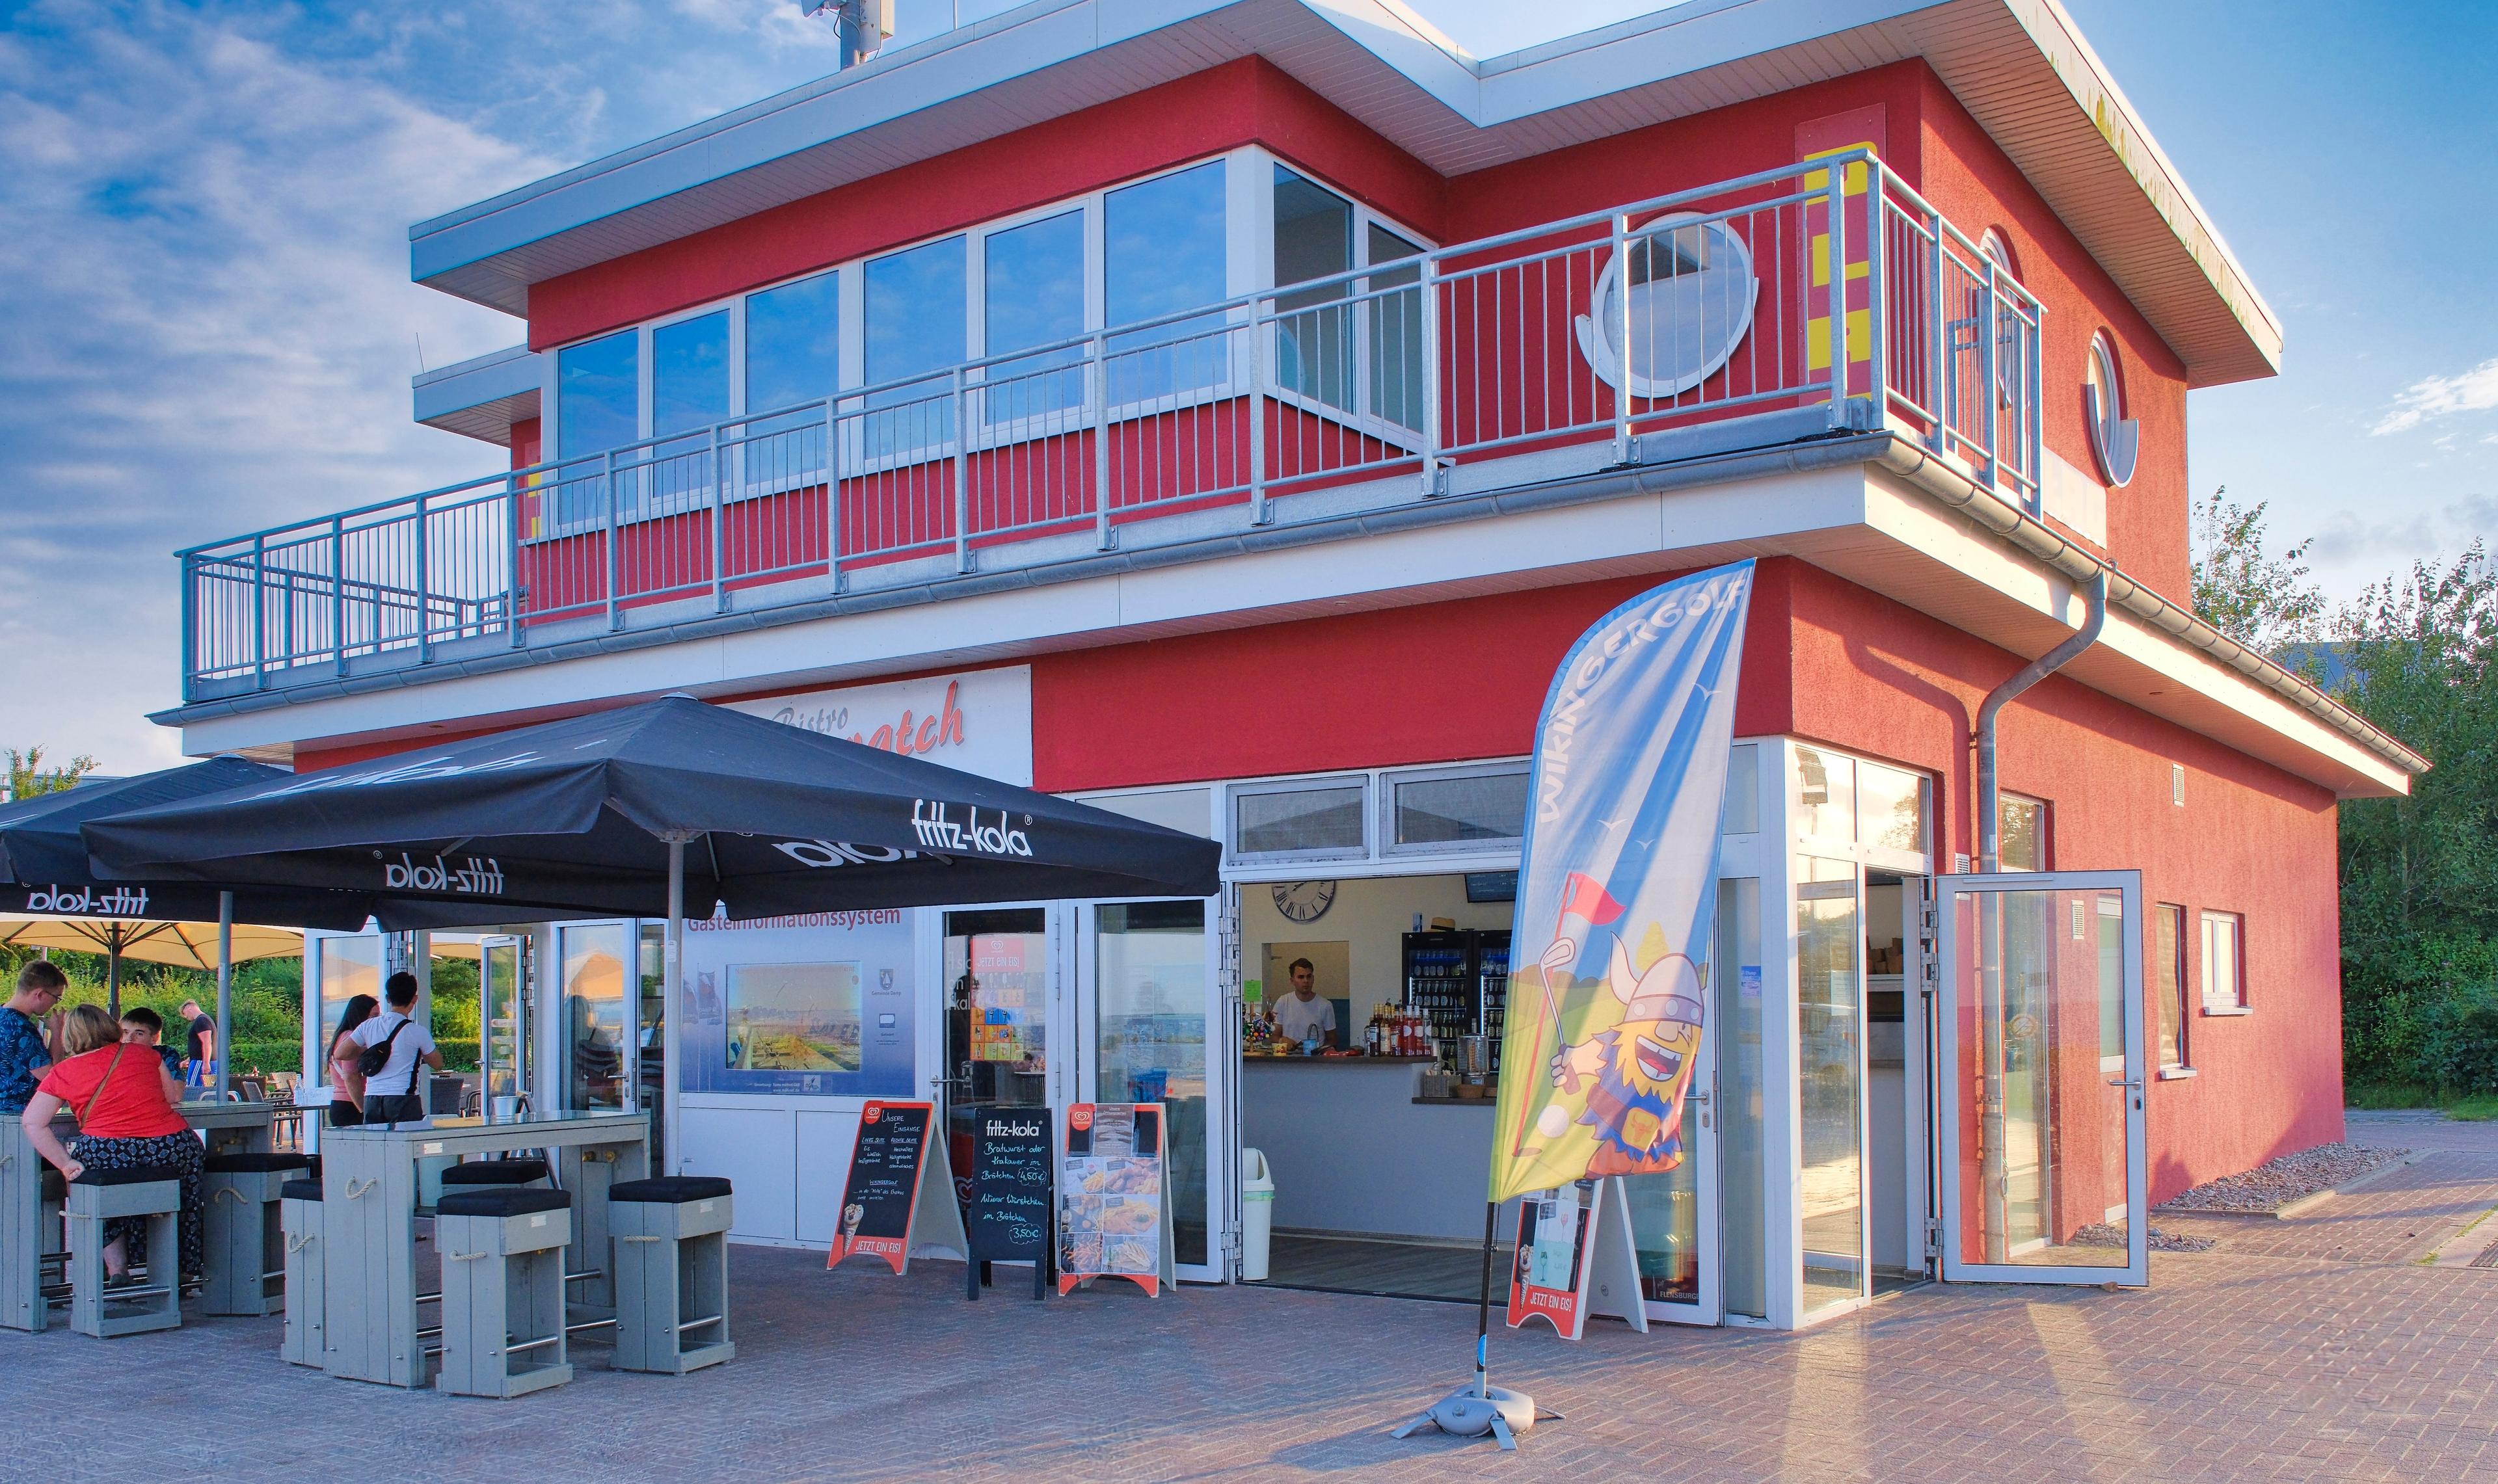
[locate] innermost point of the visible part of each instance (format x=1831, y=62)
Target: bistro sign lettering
x=977, y=720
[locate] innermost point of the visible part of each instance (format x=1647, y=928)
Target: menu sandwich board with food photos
x=1575, y=1258
x=1113, y=1197
x=883, y=1215
x=1012, y=1194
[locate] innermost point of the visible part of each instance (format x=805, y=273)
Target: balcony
x=1482, y=366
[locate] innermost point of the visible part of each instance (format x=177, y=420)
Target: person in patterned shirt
x=30, y=1028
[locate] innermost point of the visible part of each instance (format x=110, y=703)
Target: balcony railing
x=1759, y=309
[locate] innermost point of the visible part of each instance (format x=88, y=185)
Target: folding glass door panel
x=1152, y=1002
x=2040, y=1031
x=597, y=1040
x=1002, y=1020
x=502, y=1015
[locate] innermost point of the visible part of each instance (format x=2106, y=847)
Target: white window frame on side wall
x=1385, y=827
x=2236, y=1000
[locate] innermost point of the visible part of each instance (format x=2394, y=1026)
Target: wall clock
x=1305, y=902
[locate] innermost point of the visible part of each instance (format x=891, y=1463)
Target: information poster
x=1114, y=1211
x=1553, y=1248
x=815, y=1005
x=882, y=1196
x=1012, y=1191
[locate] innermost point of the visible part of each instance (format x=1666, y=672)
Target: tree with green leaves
x=28, y=777
x=2260, y=599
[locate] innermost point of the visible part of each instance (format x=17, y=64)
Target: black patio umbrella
x=600, y=813
x=45, y=872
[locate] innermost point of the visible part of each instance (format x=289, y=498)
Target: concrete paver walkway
x=2317, y=1348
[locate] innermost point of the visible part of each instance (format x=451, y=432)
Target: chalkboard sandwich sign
x=881, y=1212
x=1013, y=1193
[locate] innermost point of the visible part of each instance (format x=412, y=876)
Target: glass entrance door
x=502, y=1015
x=1001, y=992
x=1150, y=972
x=2041, y=1021
x=595, y=1037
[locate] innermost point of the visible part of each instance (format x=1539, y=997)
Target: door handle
x=2135, y=1083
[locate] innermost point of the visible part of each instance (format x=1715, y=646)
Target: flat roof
x=2020, y=67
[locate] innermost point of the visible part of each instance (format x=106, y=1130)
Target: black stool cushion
x=669, y=1190
x=145, y=1175
x=255, y=1164
x=502, y=1201
x=55, y=1189
x=299, y=1191
x=496, y=1172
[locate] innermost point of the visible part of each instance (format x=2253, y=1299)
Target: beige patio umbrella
x=185, y=945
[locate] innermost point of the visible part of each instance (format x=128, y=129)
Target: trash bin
x=1256, y=1214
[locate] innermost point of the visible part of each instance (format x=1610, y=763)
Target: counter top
x=1255, y=1061
x=1456, y=1102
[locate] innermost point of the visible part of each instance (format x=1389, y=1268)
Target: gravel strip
x=2269, y=1186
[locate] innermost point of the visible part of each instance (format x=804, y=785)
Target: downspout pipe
x=1990, y=816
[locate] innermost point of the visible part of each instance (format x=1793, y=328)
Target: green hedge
x=288, y=1055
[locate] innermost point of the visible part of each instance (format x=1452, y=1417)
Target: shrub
x=2459, y=1040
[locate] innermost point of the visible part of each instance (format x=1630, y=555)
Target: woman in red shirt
x=127, y=1108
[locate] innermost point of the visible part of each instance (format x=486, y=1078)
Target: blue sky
x=206, y=323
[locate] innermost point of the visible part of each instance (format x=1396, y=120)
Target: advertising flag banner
x=1617, y=889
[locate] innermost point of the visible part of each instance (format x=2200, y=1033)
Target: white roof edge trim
x=472, y=365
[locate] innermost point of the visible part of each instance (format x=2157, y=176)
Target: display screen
x=792, y=1018
x=812, y=1007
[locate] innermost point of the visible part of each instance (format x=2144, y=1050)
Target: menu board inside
x=882, y=1195
x=1114, y=1204
x=1012, y=1189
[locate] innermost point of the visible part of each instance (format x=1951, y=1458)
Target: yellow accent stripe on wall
x=1816, y=339
x=1857, y=267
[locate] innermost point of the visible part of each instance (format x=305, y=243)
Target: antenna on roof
x=865, y=26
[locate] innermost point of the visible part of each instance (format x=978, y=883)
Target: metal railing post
x=833, y=490
x=512, y=491
x=614, y=618
x=1836, y=260
x=191, y=666
x=1942, y=376
x=962, y=480
x=338, y=595
x=1986, y=366
x=719, y=536
x=1877, y=298
x=1621, y=339
x=260, y=612
x=2032, y=459
x=1429, y=294
x=1100, y=441
x=424, y=596
x=1258, y=512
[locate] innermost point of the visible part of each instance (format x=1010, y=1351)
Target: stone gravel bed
x=2274, y=1183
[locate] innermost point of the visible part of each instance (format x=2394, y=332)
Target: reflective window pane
x=1150, y=959
x=1829, y=1019
x=794, y=342
x=1298, y=820
x=1890, y=809
x=504, y=1024
x=1743, y=809
x=997, y=1016
x=914, y=307
x=1825, y=795
x=2225, y=985
x=1313, y=240
x=349, y=966
x=1163, y=252
x=1189, y=810
x=595, y=958
x=1396, y=385
x=1743, y=1157
x=2021, y=839
x=1033, y=294
x=689, y=374
x=2169, y=980
x=1484, y=806
x=599, y=395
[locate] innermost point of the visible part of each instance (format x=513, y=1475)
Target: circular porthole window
x=1692, y=294
x=2114, y=437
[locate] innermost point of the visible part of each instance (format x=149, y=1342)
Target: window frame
x=2182, y=984
x=2242, y=1003
x=1359, y=304
x=1391, y=782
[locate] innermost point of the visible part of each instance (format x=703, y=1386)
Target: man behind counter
x=1301, y=1015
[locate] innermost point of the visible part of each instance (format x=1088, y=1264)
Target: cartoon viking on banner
x=1638, y=1070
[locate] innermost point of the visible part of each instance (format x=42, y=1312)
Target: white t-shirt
x=1300, y=1020
x=398, y=1079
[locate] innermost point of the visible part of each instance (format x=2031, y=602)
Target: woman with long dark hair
x=346, y=1057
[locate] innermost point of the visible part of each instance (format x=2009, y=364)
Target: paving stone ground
x=2313, y=1348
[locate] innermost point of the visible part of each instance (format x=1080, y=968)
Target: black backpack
x=375, y=1057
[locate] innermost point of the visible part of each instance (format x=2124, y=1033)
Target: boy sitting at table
x=142, y=1026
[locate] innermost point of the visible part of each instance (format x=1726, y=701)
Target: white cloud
x=2438, y=396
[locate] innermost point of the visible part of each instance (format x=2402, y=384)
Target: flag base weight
x=1464, y=1413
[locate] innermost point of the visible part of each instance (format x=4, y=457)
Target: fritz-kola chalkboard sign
x=881, y=1212
x=1013, y=1193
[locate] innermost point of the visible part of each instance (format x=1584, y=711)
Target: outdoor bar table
x=234, y=1129
x=368, y=1186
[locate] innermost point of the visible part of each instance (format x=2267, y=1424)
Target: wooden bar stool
x=31, y=1195
x=671, y=1272
x=298, y=1222
x=97, y=1196
x=246, y=1246
x=502, y=1289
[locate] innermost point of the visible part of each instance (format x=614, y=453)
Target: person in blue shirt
x=30, y=1029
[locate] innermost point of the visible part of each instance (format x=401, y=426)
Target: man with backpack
x=394, y=1046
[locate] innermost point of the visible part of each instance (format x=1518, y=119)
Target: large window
x=598, y=393
x=2168, y=982
x=1457, y=810
x=345, y=967
x=1031, y=293
x=690, y=374
x=2224, y=969
x=2021, y=833
x=596, y=1038
x=913, y=327
x=1162, y=253
x=794, y=342
x=1299, y=820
